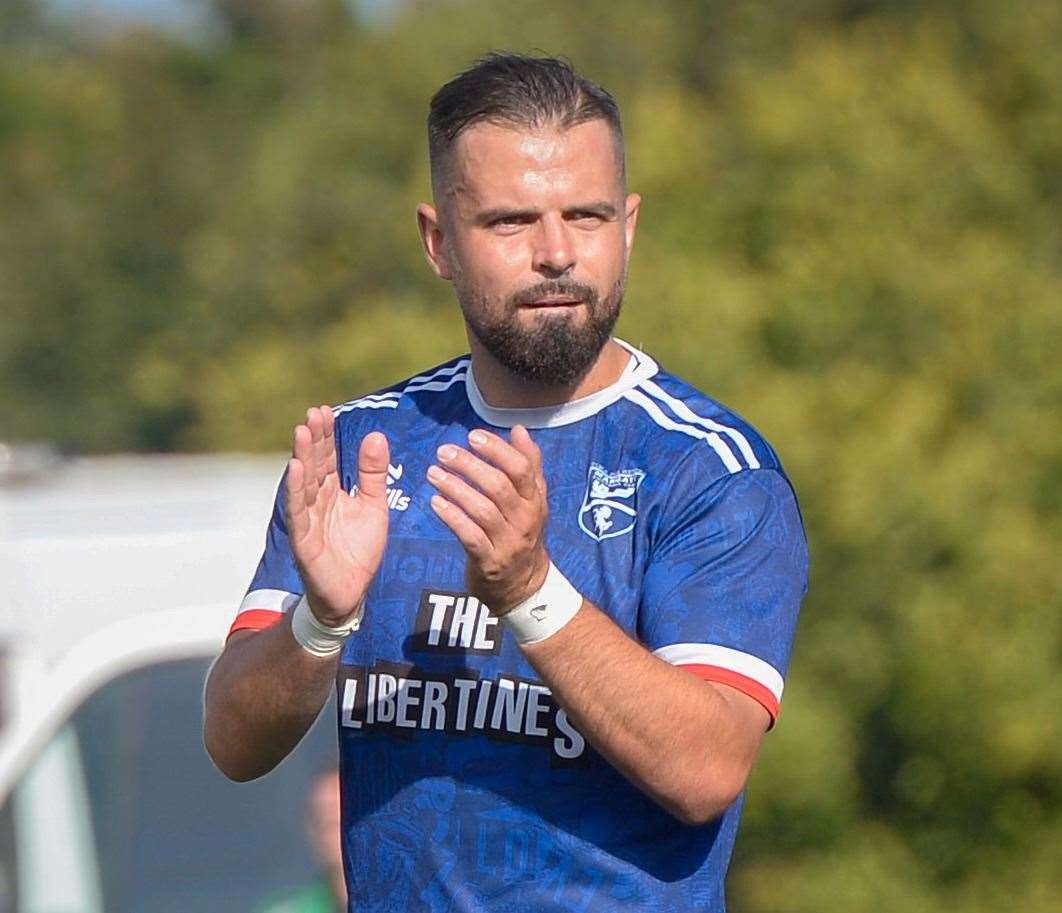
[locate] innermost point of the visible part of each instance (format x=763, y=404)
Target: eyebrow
x=601, y=208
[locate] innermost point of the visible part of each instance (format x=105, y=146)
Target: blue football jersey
x=465, y=786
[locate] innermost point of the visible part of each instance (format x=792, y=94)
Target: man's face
x=534, y=229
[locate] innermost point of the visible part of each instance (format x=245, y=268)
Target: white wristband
x=317, y=638
x=546, y=612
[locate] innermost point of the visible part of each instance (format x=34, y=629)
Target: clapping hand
x=493, y=498
x=337, y=539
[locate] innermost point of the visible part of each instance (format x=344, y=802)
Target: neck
x=504, y=390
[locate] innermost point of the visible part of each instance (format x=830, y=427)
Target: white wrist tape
x=546, y=612
x=319, y=639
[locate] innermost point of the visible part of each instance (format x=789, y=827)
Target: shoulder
x=448, y=376
x=695, y=432
x=409, y=407
x=413, y=407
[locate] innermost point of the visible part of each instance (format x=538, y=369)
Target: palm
x=337, y=539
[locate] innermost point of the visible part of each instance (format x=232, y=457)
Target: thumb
x=373, y=456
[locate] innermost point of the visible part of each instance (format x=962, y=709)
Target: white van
x=120, y=577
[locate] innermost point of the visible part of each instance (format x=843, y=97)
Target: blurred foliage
x=853, y=213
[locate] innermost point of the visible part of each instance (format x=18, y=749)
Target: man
x=328, y=893
x=555, y=586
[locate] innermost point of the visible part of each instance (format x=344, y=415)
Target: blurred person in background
x=531, y=716
x=328, y=892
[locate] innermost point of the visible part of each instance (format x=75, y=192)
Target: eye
x=510, y=222
x=588, y=219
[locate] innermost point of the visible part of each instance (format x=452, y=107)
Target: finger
x=522, y=441
x=478, y=507
x=331, y=462
x=296, y=516
x=511, y=461
x=373, y=456
x=494, y=483
x=302, y=450
x=470, y=536
x=315, y=422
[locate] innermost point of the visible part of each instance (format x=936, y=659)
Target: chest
x=600, y=494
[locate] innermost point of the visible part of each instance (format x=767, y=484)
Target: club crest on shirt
x=610, y=504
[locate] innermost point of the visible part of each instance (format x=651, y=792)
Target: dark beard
x=558, y=350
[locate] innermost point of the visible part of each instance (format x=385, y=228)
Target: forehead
x=501, y=164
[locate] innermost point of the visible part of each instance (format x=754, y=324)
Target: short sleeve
x=276, y=586
x=723, y=588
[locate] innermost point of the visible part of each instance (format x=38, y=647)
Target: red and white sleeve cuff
x=743, y=671
x=262, y=609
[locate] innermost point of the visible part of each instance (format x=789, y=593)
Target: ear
x=633, y=206
x=431, y=236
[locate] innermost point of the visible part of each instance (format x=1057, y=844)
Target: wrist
x=542, y=614
x=318, y=638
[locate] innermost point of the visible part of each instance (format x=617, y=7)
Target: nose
x=554, y=252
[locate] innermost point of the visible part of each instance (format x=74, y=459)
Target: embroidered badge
x=610, y=504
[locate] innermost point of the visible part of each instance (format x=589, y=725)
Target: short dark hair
x=518, y=91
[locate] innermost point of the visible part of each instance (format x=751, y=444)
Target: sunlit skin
x=519, y=206
x=323, y=827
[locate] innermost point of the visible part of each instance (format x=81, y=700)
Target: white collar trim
x=639, y=368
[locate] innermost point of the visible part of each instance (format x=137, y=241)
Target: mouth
x=558, y=302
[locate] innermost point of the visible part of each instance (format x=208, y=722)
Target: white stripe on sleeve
x=717, y=443
x=442, y=379
x=685, y=412
x=724, y=658
x=269, y=600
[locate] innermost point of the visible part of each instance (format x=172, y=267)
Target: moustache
x=553, y=289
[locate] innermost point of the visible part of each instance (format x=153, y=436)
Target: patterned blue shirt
x=465, y=786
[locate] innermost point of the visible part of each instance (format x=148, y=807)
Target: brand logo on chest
x=396, y=500
x=610, y=504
